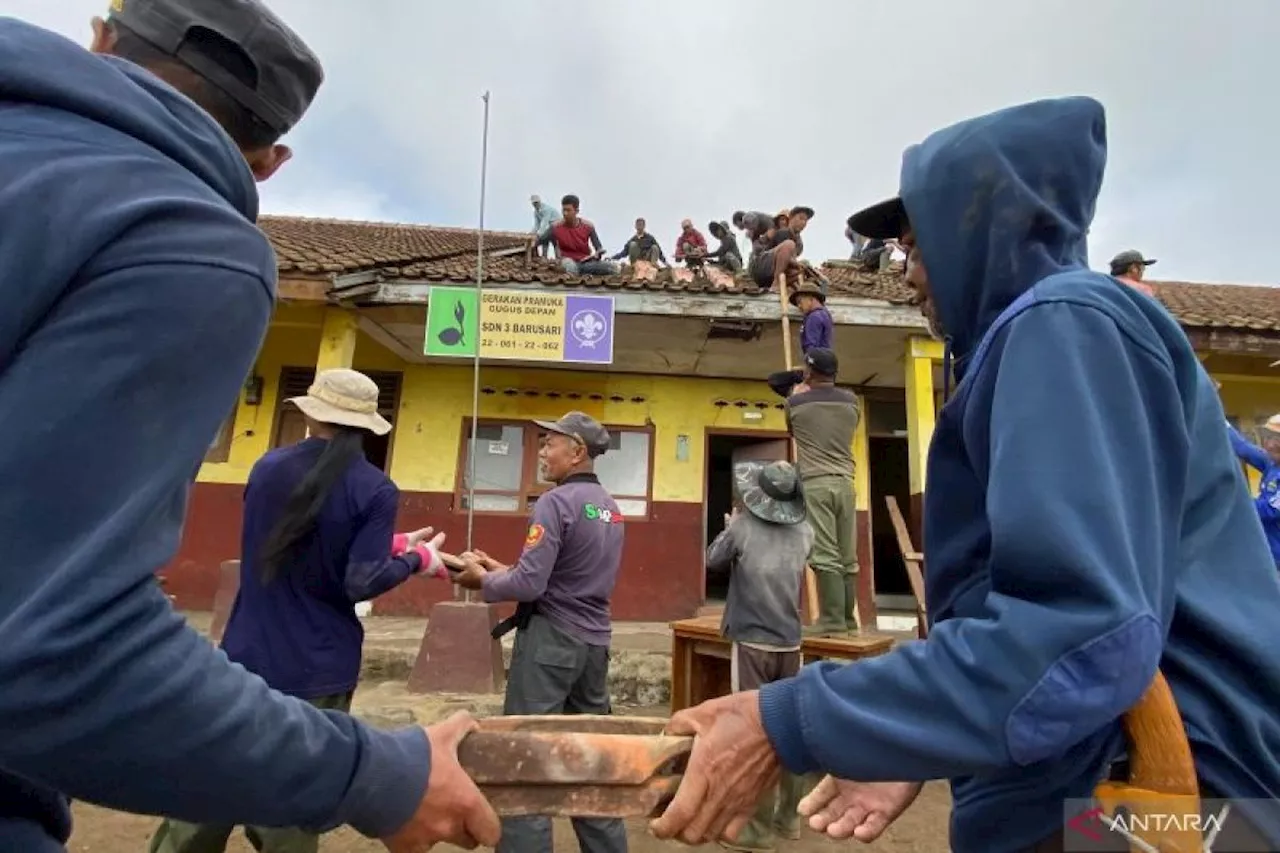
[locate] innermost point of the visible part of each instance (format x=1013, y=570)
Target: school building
x=683, y=395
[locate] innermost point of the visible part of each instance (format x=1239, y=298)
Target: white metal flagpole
x=475, y=363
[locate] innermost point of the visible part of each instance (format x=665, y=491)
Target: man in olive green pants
x=822, y=419
x=175, y=836
x=828, y=498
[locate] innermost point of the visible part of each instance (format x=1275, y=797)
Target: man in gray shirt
x=563, y=583
x=822, y=419
x=765, y=549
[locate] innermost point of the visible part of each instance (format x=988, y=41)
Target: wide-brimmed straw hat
x=343, y=397
x=771, y=491
x=807, y=288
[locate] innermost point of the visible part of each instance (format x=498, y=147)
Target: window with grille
x=507, y=480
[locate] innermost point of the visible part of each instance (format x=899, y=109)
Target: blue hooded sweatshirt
x=1085, y=519
x=1267, y=503
x=136, y=292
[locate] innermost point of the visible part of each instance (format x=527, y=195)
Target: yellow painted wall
x=1252, y=399
x=436, y=398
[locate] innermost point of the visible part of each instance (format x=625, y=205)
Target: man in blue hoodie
x=136, y=292
x=1086, y=525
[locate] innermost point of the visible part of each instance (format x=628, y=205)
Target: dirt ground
x=923, y=829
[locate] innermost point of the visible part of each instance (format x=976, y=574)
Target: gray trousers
x=555, y=673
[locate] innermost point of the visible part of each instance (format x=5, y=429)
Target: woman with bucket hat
x=318, y=538
x=765, y=549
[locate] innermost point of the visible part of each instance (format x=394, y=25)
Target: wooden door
x=779, y=450
x=290, y=428
x=769, y=450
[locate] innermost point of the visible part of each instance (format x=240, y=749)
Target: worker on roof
x=781, y=248
x=577, y=244
x=1266, y=461
x=137, y=291
x=1130, y=267
x=1085, y=528
x=642, y=246
x=755, y=225
x=544, y=216
x=691, y=246
x=727, y=254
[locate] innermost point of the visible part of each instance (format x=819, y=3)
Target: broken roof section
x=440, y=255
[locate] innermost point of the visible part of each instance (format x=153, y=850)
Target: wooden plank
x=851, y=647
x=303, y=289
x=913, y=561
x=681, y=672
x=697, y=626
x=718, y=649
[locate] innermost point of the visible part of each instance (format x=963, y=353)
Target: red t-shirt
x=574, y=241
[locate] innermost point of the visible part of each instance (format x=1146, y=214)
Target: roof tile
x=340, y=246
x=437, y=254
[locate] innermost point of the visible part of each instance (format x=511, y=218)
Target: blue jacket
x=136, y=292
x=1267, y=502
x=1085, y=519
x=300, y=632
x=817, y=330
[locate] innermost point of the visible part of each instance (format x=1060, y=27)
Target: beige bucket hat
x=343, y=397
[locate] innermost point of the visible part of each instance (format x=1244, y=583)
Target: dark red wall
x=661, y=564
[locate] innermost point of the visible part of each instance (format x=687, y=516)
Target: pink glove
x=399, y=544
x=432, y=565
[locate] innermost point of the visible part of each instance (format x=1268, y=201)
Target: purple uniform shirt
x=816, y=332
x=569, y=566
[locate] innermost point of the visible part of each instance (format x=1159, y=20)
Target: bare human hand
x=452, y=810
x=862, y=810
x=731, y=765
x=490, y=564
x=417, y=537
x=466, y=571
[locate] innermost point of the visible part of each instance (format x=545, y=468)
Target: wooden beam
x=378, y=333
x=845, y=310
x=303, y=289
x=1233, y=342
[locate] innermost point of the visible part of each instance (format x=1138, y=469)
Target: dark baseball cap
x=1128, y=258
x=886, y=220
x=287, y=73
x=583, y=429
x=822, y=361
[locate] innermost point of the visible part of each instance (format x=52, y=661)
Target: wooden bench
x=700, y=668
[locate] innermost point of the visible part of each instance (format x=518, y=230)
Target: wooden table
x=700, y=667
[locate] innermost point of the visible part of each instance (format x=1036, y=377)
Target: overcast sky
x=669, y=109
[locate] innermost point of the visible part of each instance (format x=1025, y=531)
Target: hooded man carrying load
x=1086, y=527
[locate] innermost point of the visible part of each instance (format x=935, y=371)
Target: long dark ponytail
x=304, y=504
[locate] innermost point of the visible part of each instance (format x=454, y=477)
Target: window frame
x=219, y=452
x=530, y=488
x=389, y=382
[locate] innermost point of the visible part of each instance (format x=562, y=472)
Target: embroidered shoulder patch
x=534, y=536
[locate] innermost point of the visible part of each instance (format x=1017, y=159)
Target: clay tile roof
x=337, y=246
x=1221, y=306
x=436, y=254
